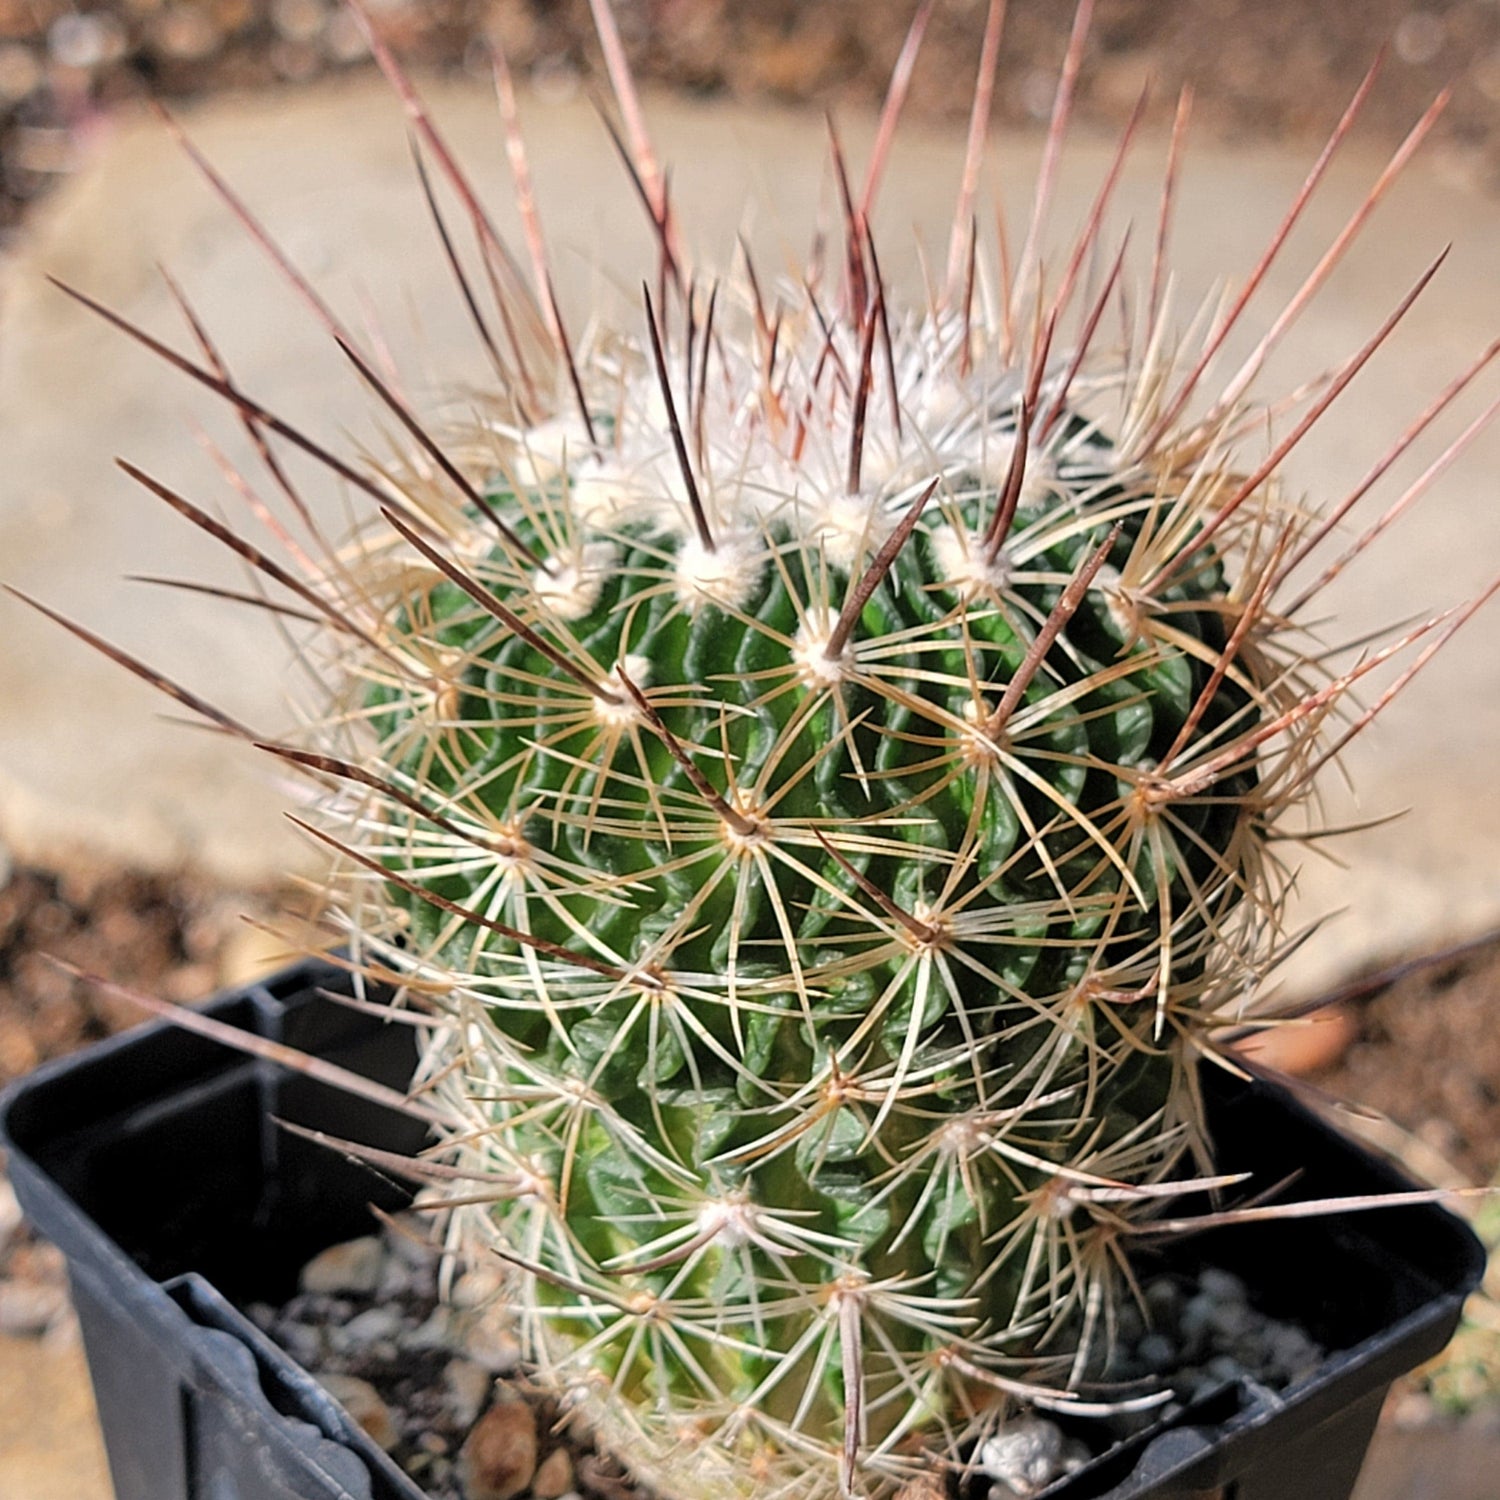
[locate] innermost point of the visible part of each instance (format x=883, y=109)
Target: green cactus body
x=824, y=960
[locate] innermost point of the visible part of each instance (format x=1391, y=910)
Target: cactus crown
x=814, y=764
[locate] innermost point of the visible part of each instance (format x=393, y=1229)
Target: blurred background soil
x=175, y=935
x=1259, y=68
x=1425, y=1053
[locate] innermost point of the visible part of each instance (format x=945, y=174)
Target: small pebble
x=185, y=34
x=469, y=1386
x=1231, y=1319
x=396, y=1280
x=1128, y=1324
x=478, y=1287
x=1163, y=1299
x=554, y=1476
x=353, y=1267
x=410, y=1242
x=29, y=1309
x=10, y=1213
x=317, y=1307
x=20, y=73
x=1419, y=37
x=299, y=20
x=363, y=1402
x=1197, y=1320
x=435, y=1333
x=1290, y=1352
x=344, y=40
x=1155, y=1352
x=304, y=1342
x=499, y=1457
x=490, y=1342
x=262, y=1314
x=1023, y=1456
x=1306, y=1046
x=85, y=41
x=1408, y=1410
x=372, y=1326
x=38, y=1261
x=1223, y=1286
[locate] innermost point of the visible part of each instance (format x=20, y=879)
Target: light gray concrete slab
x=86, y=764
x=1433, y=1463
x=50, y=1444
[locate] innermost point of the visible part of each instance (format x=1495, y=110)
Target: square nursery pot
x=155, y=1162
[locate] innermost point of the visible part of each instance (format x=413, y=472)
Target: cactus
x=815, y=767
x=809, y=842
x=834, y=862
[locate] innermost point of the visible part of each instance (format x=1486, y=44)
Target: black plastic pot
x=155, y=1162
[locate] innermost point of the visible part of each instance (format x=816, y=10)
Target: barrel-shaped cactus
x=828, y=812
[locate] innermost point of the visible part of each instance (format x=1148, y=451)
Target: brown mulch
x=1259, y=68
x=179, y=937
x=1426, y=1054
